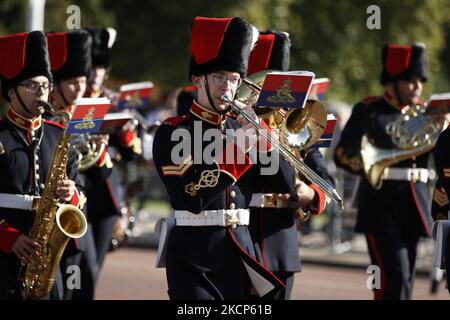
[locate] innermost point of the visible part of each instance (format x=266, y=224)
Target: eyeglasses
x=220, y=80
x=34, y=87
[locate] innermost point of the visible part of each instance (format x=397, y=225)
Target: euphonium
x=414, y=133
x=299, y=129
x=54, y=223
x=89, y=148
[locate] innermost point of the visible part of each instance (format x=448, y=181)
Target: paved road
x=129, y=274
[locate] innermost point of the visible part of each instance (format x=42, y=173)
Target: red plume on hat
x=272, y=51
x=220, y=44
x=403, y=62
x=70, y=54
x=23, y=56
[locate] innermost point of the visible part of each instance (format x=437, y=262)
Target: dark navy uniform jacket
x=17, y=177
x=274, y=230
x=440, y=205
x=205, y=262
x=399, y=208
x=441, y=152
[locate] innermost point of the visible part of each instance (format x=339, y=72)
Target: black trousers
x=396, y=258
x=85, y=258
x=10, y=285
x=102, y=228
x=89, y=268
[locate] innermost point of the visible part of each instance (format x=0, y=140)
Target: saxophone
x=54, y=224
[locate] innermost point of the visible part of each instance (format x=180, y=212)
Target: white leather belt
x=18, y=201
x=223, y=217
x=267, y=200
x=406, y=174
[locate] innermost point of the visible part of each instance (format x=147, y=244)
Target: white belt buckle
x=270, y=200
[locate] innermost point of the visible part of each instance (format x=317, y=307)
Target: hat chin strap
x=61, y=94
x=208, y=94
x=397, y=94
x=22, y=103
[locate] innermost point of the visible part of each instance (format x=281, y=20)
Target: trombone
x=285, y=151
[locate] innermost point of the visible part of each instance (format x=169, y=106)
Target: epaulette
x=52, y=123
x=174, y=121
x=370, y=99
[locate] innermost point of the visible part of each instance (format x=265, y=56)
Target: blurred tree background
x=330, y=38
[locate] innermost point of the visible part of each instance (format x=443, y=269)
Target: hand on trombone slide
x=248, y=130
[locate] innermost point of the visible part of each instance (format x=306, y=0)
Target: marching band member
x=396, y=215
x=440, y=204
x=106, y=181
x=70, y=57
x=210, y=253
x=273, y=224
x=27, y=144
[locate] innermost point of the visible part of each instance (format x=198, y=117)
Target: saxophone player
x=396, y=215
x=27, y=143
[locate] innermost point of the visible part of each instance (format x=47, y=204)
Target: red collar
x=206, y=114
x=22, y=122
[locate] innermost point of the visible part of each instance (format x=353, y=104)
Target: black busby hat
x=272, y=51
x=23, y=56
x=220, y=44
x=70, y=54
x=404, y=62
x=102, y=40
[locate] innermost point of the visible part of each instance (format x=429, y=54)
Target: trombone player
x=394, y=215
x=210, y=253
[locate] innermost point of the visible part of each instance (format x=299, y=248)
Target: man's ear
x=197, y=81
x=11, y=93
